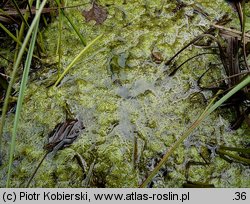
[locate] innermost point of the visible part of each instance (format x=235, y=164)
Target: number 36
x=240, y=196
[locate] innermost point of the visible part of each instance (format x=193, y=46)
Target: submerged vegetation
x=161, y=89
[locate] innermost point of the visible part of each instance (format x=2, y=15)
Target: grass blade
x=21, y=97
x=20, y=13
x=72, y=24
x=10, y=34
x=59, y=42
x=76, y=59
x=207, y=111
x=16, y=65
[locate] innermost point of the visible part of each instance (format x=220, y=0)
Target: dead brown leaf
x=96, y=13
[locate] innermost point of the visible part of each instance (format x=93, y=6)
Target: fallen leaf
x=96, y=13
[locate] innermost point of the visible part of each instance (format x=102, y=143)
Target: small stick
x=236, y=32
x=38, y=166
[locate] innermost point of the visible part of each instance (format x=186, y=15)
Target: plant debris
x=230, y=56
x=61, y=136
x=64, y=134
x=96, y=13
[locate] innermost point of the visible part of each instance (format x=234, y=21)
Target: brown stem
x=38, y=166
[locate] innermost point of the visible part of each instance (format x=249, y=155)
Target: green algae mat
x=131, y=109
